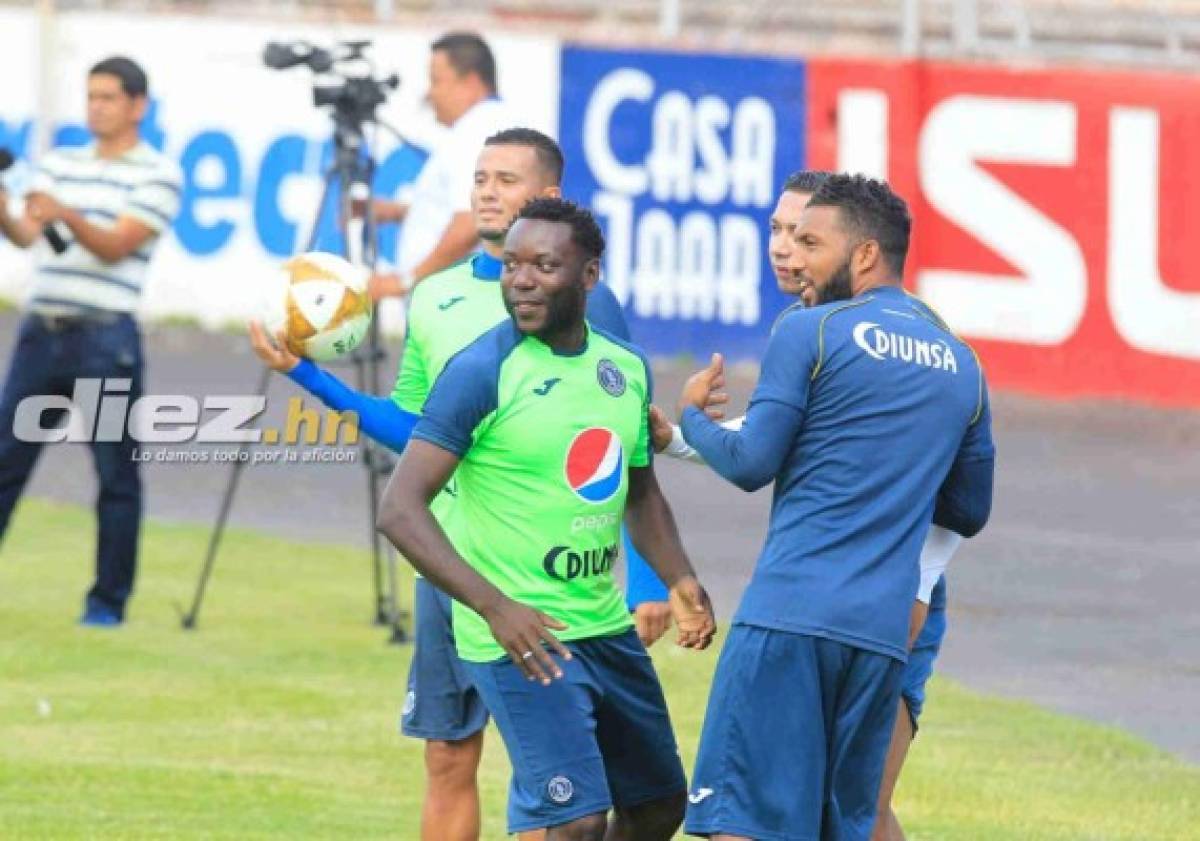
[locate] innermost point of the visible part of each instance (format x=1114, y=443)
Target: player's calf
x=653, y=821
x=451, y=810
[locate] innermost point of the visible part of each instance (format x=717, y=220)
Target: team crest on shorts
x=560, y=790
x=410, y=703
x=610, y=377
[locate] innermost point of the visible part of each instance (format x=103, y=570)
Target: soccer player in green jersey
x=543, y=424
x=448, y=310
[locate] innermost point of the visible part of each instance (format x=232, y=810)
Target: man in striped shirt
x=106, y=205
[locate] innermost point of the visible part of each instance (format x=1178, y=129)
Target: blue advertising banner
x=681, y=157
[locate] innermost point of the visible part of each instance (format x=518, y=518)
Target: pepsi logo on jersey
x=595, y=464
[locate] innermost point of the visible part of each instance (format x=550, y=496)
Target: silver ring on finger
x=526, y=655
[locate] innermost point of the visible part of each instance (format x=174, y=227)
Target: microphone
x=57, y=243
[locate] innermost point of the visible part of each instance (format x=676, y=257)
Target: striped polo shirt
x=141, y=184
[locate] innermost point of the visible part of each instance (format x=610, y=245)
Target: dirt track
x=1080, y=595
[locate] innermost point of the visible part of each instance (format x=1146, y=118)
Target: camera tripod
x=348, y=180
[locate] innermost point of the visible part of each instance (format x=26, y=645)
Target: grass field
x=276, y=719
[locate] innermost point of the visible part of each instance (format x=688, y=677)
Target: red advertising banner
x=1054, y=211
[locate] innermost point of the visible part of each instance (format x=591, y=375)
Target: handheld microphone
x=57, y=243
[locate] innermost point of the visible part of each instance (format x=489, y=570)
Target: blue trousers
x=48, y=358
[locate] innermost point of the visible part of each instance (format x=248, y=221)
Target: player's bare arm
x=404, y=518
x=653, y=531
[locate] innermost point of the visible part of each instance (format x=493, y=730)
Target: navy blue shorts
x=441, y=703
x=925, y=650
x=598, y=737
x=794, y=739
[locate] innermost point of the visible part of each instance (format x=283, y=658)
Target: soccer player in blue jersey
x=448, y=311
x=543, y=423
x=928, y=623
x=869, y=417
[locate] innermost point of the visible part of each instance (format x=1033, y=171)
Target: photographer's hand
x=385, y=211
x=275, y=355
x=390, y=211
x=389, y=286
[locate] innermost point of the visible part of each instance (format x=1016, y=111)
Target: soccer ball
x=320, y=302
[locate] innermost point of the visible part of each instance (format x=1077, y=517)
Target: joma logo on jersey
x=880, y=344
x=595, y=464
x=565, y=564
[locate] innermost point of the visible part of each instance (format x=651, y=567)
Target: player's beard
x=492, y=235
x=838, y=288
x=564, y=311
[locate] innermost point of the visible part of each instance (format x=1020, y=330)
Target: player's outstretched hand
x=275, y=355
x=661, y=430
x=693, y=614
x=651, y=619
x=703, y=389
x=524, y=633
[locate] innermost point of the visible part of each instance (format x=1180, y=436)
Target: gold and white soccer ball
x=320, y=302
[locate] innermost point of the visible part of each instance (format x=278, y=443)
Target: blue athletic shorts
x=596, y=738
x=441, y=704
x=925, y=650
x=794, y=740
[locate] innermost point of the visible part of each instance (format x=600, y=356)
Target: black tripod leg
x=214, y=541
x=387, y=606
x=399, y=635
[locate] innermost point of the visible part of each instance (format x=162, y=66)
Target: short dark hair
x=870, y=209
x=805, y=180
x=585, y=233
x=549, y=154
x=469, y=53
x=133, y=78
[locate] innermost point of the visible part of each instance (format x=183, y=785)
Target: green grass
x=276, y=719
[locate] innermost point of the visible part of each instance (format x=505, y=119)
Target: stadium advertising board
x=1053, y=212
x=680, y=155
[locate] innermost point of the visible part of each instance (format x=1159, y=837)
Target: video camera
x=350, y=87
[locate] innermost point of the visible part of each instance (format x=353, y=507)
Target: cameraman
x=438, y=229
x=106, y=205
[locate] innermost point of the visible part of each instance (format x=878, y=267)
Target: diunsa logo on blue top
x=595, y=460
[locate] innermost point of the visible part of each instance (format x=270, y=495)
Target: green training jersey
x=447, y=312
x=546, y=442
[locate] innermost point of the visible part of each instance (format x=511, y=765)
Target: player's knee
x=654, y=821
x=588, y=828
x=452, y=764
x=664, y=816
